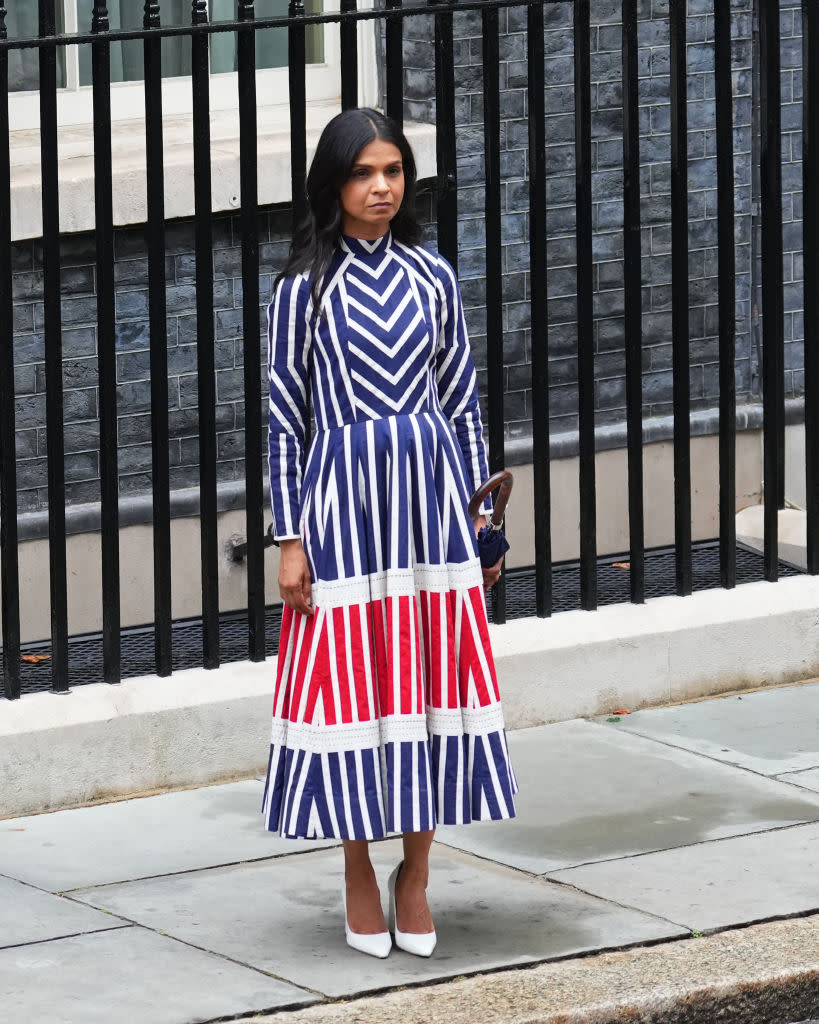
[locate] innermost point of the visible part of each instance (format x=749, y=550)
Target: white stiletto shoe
x=418, y=943
x=378, y=944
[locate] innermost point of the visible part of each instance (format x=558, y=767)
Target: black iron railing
x=155, y=189
x=810, y=235
x=199, y=34
x=9, y=571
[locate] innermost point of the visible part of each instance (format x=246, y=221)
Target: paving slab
x=807, y=780
x=770, y=731
x=589, y=794
x=715, y=885
x=131, y=975
x=154, y=835
x=768, y=973
x=285, y=916
x=29, y=915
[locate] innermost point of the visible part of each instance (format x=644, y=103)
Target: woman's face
x=372, y=195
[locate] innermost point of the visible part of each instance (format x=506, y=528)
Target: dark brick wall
x=133, y=357
x=606, y=130
x=79, y=308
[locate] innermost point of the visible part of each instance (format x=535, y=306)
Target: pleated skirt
x=387, y=716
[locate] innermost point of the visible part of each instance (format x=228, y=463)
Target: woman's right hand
x=294, y=577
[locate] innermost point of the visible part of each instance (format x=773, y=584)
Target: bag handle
x=504, y=480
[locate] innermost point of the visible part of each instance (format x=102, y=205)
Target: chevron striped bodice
x=388, y=340
x=388, y=309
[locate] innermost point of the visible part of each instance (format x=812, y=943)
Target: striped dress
x=386, y=712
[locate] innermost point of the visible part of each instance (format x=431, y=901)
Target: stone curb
x=764, y=974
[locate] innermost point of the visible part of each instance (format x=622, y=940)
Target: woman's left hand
x=492, y=574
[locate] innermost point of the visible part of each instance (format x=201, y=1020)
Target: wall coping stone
x=128, y=163
x=137, y=510
x=704, y=423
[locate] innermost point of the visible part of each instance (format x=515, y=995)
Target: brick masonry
x=655, y=140
x=133, y=357
x=79, y=304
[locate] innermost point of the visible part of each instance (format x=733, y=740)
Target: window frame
x=323, y=83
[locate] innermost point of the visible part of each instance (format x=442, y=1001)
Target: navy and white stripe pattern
x=386, y=715
x=359, y=371
x=341, y=794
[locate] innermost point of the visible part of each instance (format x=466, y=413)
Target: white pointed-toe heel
x=417, y=943
x=378, y=944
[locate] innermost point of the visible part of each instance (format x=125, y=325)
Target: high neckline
x=363, y=247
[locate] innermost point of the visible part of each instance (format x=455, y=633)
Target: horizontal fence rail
x=470, y=119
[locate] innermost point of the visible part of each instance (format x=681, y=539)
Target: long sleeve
x=288, y=360
x=457, y=384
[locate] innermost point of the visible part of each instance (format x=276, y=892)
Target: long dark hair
x=316, y=239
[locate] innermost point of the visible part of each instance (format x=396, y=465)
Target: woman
x=386, y=714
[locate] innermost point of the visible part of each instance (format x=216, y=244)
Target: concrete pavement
x=659, y=833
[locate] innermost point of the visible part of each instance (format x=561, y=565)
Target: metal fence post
x=251, y=330
x=726, y=271
x=206, y=369
x=298, y=110
x=157, y=313
x=447, y=198
x=585, y=305
x=106, y=347
x=679, y=297
x=632, y=286
x=773, y=336
x=10, y=579
x=52, y=317
x=394, y=45
x=539, y=308
x=348, y=31
x=494, y=265
x=810, y=177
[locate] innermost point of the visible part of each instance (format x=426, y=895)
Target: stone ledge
x=703, y=423
x=671, y=649
x=105, y=742
x=767, y=972
x=128, y=155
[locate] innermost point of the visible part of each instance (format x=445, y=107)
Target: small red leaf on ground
x=622, y=712
x=35, y=659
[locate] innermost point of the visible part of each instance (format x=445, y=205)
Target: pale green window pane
x=127, y=58
x=271, y=44
x=22, y=21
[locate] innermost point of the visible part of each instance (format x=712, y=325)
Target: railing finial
x=150, y=16
x=3, y=12
x=296, y=9
x=99, y=18
x=199, y=12
x=246, y=9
